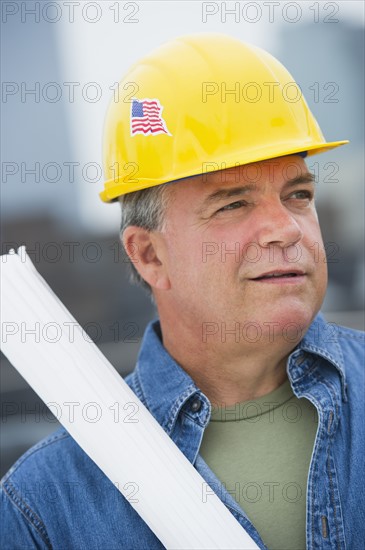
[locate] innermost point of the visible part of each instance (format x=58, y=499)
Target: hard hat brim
x=115, y=188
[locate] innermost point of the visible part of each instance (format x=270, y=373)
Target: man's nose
x=277, y=226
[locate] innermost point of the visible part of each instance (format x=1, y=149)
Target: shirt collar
x=165, y=386
x=322, y=339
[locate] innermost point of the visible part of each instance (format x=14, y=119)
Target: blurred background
x=60, y=62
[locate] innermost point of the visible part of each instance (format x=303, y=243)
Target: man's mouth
x=279, y=275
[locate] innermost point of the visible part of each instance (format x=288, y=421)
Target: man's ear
x=146, y=251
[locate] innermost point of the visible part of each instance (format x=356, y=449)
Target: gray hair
x=145, y=208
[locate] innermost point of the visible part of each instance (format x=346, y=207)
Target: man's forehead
x=251, y=175
x=289, y=167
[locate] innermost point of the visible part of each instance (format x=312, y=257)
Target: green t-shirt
x=261, y=451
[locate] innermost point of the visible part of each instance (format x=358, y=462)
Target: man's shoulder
x=329, y=333
x=44, y=459
x=352, y=346
x=55, y=496
x=26, y=489
x=350, y=334
x=346, y=345
x=351, y=341
x=339, y=346
x=53, y=464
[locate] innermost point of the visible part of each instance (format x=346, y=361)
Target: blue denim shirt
x=56, y=497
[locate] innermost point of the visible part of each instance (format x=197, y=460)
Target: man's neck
x=227, y=372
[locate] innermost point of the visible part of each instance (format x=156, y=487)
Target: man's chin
x=288, y=325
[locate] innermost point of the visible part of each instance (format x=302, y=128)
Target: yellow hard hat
x=201, y=103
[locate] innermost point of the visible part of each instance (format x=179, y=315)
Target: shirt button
x=196, y=405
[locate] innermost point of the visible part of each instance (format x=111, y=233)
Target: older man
x=256, y=389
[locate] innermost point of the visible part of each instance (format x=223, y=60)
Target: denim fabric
x=56, y=497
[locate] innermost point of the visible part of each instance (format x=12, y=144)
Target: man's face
x=244, y=245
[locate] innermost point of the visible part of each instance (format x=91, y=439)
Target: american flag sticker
x=146, y=117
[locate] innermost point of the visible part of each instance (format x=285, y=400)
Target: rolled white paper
x=106, y=418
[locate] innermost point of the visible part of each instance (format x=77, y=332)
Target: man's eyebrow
x=308, y=177
x=226, y=194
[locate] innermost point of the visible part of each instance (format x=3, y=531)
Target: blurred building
x=334, y=87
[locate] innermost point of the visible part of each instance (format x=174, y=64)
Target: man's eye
x=232, y=206
x=302, y=195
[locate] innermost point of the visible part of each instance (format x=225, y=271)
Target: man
x=219, y=221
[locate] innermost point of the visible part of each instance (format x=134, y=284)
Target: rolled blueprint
x=108, y=421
